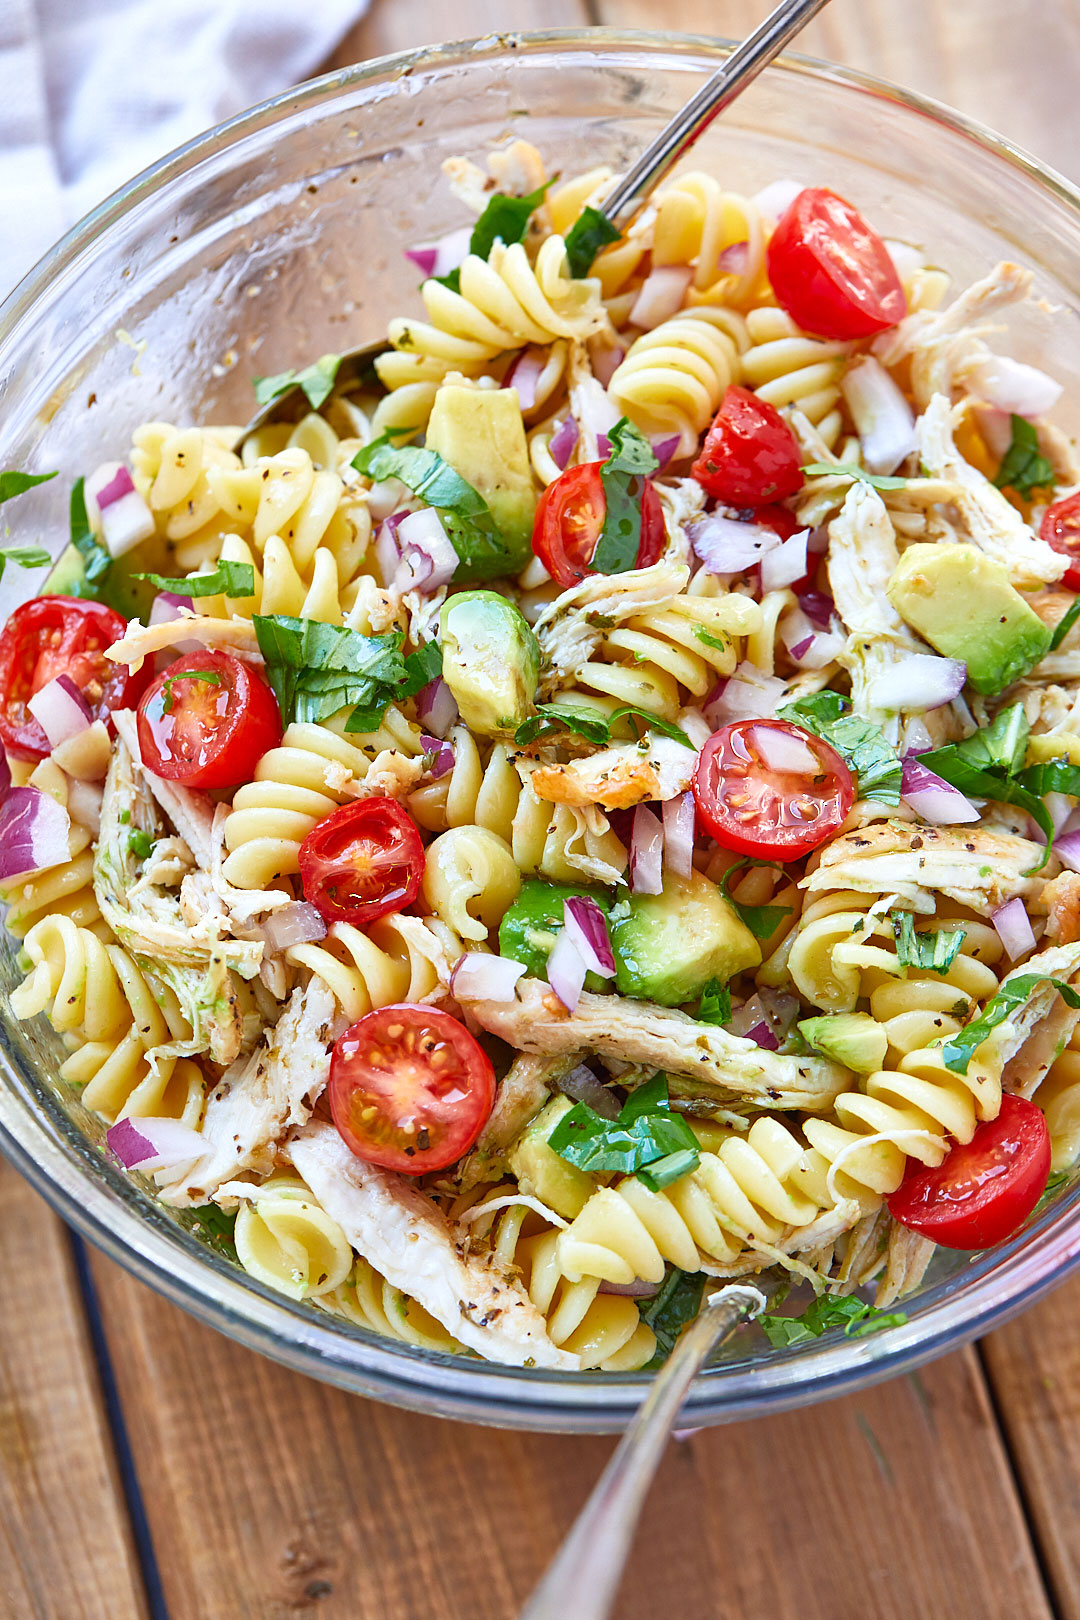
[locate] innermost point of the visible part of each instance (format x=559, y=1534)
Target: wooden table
x=151, y=1468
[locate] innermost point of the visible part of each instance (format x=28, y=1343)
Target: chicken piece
x=629, y=773
x=263, y=1096
x=643, y=1033
x=191, y=813
x=983, y=515
x=974, y=867
x=907, y=1255
x=523, y=1091
x=143, y=641
x=571, y=628
x=1061, y=897
x=393, y=1225
x=941, y=343
x=1040, y=1029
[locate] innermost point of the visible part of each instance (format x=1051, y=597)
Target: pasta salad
x=587, y=803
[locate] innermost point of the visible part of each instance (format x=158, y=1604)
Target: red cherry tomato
x=570, y=517
x=1061, y=529
x=831, y=272
x=983, y=1189
x=59, y=635
x=207, y=720
x=768, y=788
x=362, y=862
x=750, y=457
x=410, y=1088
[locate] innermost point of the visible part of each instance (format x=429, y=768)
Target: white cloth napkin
x=91, y=91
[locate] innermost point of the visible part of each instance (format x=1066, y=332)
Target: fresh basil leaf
x=95, y=559
x=824, y=707
x=715, y=1004
x=630, y=460
x=592, y=724
x=1065, y=624
x=645, y=1130
x=855, y=1316
x=676, y=1302
x=957, y=1050
x=1051, y=776
x=232, y=579
x=1054, y=1183
x=505, y=219
x=590, y=232
x=315, y=669
x=935, y=949
x=848, y=469
x=214, y=1225
x=316, y=380
x=464, y=512
x=762, y=921
x=421, y=667
x=208, y=675
x=662, y=1172
x=17, y=483
x=1023, y=468
x=651, y=722
x=861, y=745
x=980, y=768
x=709, y=639
x=140, y=843
x=1002, y=744
x=25, y=556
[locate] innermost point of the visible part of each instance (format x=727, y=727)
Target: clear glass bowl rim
x=100, y=1203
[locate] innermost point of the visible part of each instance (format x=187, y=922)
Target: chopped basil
x=232, y=579
x=662, y=1172
x=646, y=1130
x=988, y=766
x=936, y=949
x=1065, y=624
x=214, y=1225
x=25, y=556
x=316, y=380
x=592, y=724
x=315, y=669
x=630, y=459
x=849, y=469
x=140, y=843
x=17, y=483
x=505, y=219
x=96, y=561
x=1023, y=468
x=861, y=745
x=208, y=675
x=465, y=514
x=715, y=1004
x=590, y=232
x=957, y=1050
x=762, y=921
x=855, y=1316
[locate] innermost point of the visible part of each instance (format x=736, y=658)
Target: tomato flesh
x=768, y=788
x=983, y=1190
x=363, y=862
x=207, y=720
x=750, y=456
x=410, y=1088
x=831, y=272
x=569, y=519
x=1061, y=530
x=59, y=635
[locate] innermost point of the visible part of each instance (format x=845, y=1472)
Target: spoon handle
x=743, y=65
x=584, y=1577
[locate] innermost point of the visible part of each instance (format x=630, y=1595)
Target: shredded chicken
x=907, y=1255
x=974, y=867
x=403, y=1235
x=571, y=628
x=641, y=1032
x=627, y=774
x=1061, y=897
x=191, y=813
x=940, y=344
x=1041, y=1028
x=143, y=641
x=263, y=1096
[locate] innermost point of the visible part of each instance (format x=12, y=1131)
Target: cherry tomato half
x=983, y=1189
x=570, y=517
x=768, y=788
x=207, y=720
x=59, y=635
x=362, y=862
x=831, y=272
x=1061, y=530
x=750, y=457
x=410, y=1088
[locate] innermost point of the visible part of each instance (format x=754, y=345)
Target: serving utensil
x=659, y=157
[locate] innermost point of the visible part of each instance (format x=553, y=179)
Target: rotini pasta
x=369, y=1301
x=785, y=368
x=673, y=378
x=395, y=959
x=470, y=878
x=697, y=223
x=285, y=1240
x=66, y=890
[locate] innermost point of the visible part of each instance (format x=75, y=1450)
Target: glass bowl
x=279, y=236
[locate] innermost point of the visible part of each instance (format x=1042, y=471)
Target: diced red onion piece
x=479, y=976
x=776, y=198
x=785, y=563
x=154, y=1144
x=661, y=296
x=126, y=523
x=884, y=420
x=726, y=546
x=120, y=484
x=605, y=359
x=809, y=647
x=734, y=259
x=920, y=681
x=298, y=923
x=428, y=558
x=436, y=707
x=563, y=442
x=387, y=550
x=603, y=445
x=818, y=607
x=781, y=751
x=5, y=776
x=933, y=799
x=60, y=709
x=646, y=853
x=596, y=412
x=1059, y=808
x=34, y=833
x=166, y=608
x=916, y=735
x=679, y=823
x=801, y=648
x=746, y=695
x=762, y=1035
x=439, y=258
x=524, y=375
x=585, y=923
x=443, y=755
x=664, y=449
x=638, y=1289
x=1067, y=849
x=1012, y=386
x=583, y=1086
x=423, y=258
x=566, y=970
x=1014, y=928
x=906, y=258
x=818, y=543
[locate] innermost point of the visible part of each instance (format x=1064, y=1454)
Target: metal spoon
x=659, y=157
x=582, y=1581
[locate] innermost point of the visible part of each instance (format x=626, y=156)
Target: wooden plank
x=401, y=25
x=66, y=1550
x=266, y=1493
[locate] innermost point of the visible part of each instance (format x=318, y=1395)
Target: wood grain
x=404, y=24
x=65, y=1545
x=268, y=1494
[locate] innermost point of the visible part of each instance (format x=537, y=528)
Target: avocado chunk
x=132, y=598
x=668, y=946
x=540, y=1171
x=961, y=602
x=491, y=660
x=528, y=930
x=854, y=1039
x=480, y=432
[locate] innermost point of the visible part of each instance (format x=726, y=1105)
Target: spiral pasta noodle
x=470, y=880
x=279, y=586
x=396, y=959
x=1059, y=1098
x=786, y=368
x=673, y=378
x=66, y=890
x=287, y=1240
x=696, y=220
x=367, y=1300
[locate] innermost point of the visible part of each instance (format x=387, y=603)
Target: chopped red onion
x=809, y=648
x=1014, y=928
x=428, y=558
x=746, y=695
x=782, y=751
x=933, y=799
x=906, y=259
x=166, y=608
x=60, y=709
x=679, y=825
x=587, y=926
x=920, y=681
x=915, y=735
x=785, y=563
x=818, y=607
x=801, y=648
x=661, y=295
x=439, y=258
x=120, y=484
x=524, y=375
x=154, y=1144
x=606, y=358
x=583, y=1086
x=884, y=420
x=436, y=707
x=818, y=543
x=479, y=976
x=603, y=446
x=646, y=853
x=298, y=923
x=734, y=259
x=566, y=970
x=442, y=755
x=763, y=1036
x=423, y=258
x=34, y=833
x=5, y=776
x=126, y=520
x=563, y=442
x=1012, y=386
x=776, y=198
x=726, y=546
x=387, y=550
x=1067, y=849
x=638, y=1289
x=664, y=449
